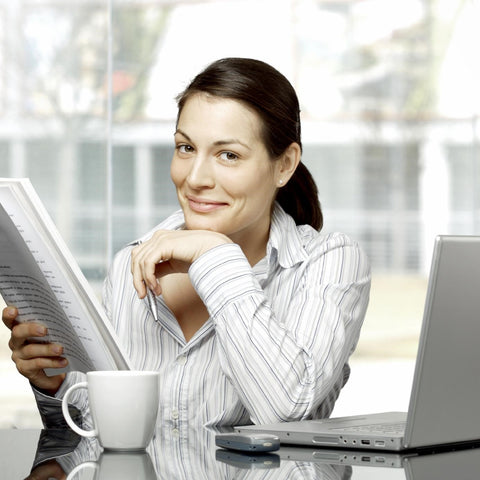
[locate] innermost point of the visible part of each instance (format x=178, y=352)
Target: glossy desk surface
x=53, y=454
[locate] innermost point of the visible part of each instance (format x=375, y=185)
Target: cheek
x=259, y=185
x=177, y=173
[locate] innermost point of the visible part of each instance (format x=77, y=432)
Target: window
x=390, y=112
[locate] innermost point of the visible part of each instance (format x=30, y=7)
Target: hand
x=47, y=471
x=169, y=251
x=31, y=358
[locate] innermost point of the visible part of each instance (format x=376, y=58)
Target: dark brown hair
x=271, y=95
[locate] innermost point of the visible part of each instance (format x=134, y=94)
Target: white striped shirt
x=278, y=339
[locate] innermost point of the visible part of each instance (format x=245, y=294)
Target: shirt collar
x=285, y=243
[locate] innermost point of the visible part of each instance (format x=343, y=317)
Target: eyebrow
x=229, y=141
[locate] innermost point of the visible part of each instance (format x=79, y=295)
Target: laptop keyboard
x=374, y=428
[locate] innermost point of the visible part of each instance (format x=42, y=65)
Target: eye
x=229, y=157
x=184, y=148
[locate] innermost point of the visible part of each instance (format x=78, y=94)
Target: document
x=40, y=277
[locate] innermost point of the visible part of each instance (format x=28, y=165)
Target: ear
x=287, y=164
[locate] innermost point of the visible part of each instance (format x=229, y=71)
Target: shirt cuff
x=221, y=276
x=50, y=408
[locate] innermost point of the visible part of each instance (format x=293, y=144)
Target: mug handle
x=66, y=413
x=80, y=467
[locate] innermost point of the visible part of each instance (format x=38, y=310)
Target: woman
x=255, y=312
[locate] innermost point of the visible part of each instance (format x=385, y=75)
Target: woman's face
x=225, y=179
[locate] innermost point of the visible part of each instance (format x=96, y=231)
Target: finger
x=23, y=331
x=34, y=350
x=9, y=316
x=144, y=261
x=33, y=368
x=135, y=268
x=148, y=271
x=157, y=252
x=138, y=283
x=34, y=357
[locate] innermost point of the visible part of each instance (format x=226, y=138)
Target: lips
x=201, y=205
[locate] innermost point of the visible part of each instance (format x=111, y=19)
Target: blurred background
x=390, y=110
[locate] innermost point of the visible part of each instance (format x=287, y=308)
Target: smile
x=204, y=206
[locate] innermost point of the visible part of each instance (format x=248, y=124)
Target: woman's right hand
x=32, y=358
x=47, y=471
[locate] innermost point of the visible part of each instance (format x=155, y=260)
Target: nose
x=201, y=173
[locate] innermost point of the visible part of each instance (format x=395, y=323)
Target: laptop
x=355, y=465
x=444, y=406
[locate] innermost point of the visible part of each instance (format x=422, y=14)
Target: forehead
x=217, y=117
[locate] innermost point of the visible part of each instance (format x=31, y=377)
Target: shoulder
x=302, y=244
x=314, y=241
x=336, y=254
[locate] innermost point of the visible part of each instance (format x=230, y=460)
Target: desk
x=197, y=457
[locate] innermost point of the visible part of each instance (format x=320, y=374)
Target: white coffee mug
x=123, y=405
x=116, y=466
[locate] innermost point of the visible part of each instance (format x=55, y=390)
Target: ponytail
x=299, y=198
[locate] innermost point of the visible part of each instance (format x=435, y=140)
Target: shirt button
x=182, y=360
x=175, y=433
x=175, y=414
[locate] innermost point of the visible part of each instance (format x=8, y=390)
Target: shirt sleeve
x=284, y=364
x=50, y=407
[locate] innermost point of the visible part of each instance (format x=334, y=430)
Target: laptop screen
x=446, y=391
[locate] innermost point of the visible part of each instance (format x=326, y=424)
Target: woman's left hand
x=169, y=251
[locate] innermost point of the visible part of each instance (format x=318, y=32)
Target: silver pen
x=152, y=302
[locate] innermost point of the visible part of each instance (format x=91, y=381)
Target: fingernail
x=41, y=330
x=57, y=349
x=11, y=311
x=63, y=362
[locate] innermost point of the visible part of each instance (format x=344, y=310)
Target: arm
x=284, y=345
x=284, y=348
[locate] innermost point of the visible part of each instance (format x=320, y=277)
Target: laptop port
x=379, y=443
x=365, y=442
x=325, y=440
x=365, y=459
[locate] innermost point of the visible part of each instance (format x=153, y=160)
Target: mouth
x=201, y=205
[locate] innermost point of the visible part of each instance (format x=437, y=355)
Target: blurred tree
x=76, y=57
x=137, y=34
x=67, y=56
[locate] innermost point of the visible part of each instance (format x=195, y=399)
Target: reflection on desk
x=49, y=454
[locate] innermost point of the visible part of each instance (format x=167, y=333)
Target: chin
x=202, y=224
x=195, y=221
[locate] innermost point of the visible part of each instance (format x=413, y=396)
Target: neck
x=253, y=248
